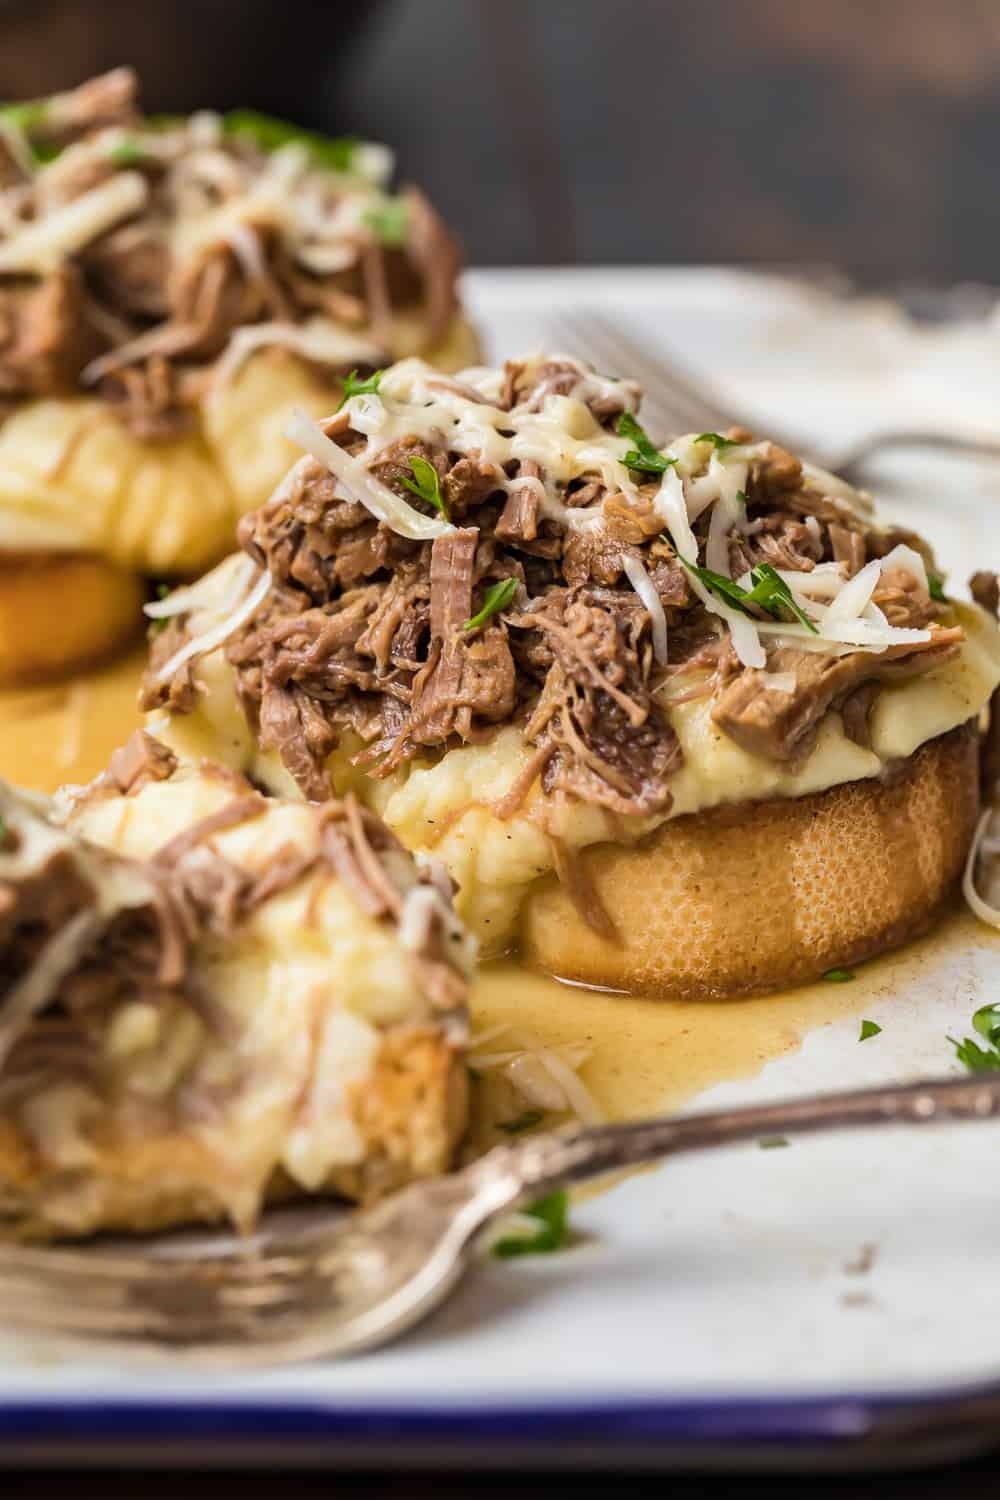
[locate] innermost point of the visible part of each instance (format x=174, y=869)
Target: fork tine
x=672, y=402
x=662, y=372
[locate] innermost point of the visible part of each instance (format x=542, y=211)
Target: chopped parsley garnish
x=498, y=596
x=426, y=484
x=127, y=154
x=155, y=626
x=741, y=496
x=718, y=442
x=987, y=1022
x=839, y=976
x=643, y=457
x=26, y=118
x=936, y=588
x=355, y=387
x=268, y=133
x=981, y=1059
x=552, y=1214
x=869, y=1028
x=526, y=1121
x=772, y=1142
x=389, y=221
x=769, y=591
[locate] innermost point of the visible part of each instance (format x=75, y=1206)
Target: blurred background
x=859, y=133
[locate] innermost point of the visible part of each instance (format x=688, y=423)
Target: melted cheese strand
x=983, y=910
x=198, y=645
x=645, y=588
x=361, y=484
x=41, y=246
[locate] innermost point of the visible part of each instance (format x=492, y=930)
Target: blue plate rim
x=839, y=1420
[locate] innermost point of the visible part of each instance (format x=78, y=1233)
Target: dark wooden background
x=862, y=133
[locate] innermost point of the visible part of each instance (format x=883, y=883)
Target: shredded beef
x=367, y=634
x=782, y=726
x=985, y=589
x=44, y=339
x=70, y=950
x=139, y=761
x=141, y=313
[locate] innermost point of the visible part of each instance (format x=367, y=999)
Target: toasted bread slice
x=60, y=612
x=758, y=896
x=209, y=999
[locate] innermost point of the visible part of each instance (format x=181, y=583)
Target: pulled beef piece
x=436, y=254
x=12, y=170
x=129, y=268
x=44, y=340
x=108, y=99
x=613, y=745
x=178, y=694
x=855, y=711
x=470, y=674
x=146, y=398
x=848, y=548
x=774, y=475
x=780, y=725
x=365, y=631
x=518, y=520
x=139, y=761
x=783, y=541
x=294, y=725
x=68, y=910
x=527, y=385
x=985, y=589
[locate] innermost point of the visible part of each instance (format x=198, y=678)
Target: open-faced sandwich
x=169, y=288
x=683, y=720
x=209, y=999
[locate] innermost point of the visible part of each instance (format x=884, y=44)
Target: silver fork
x=345, y=1283
x=674, y=402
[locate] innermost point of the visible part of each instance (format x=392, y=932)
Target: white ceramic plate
x=835, y=1299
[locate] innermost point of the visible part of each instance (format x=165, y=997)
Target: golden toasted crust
x=759, y=896
x=63, y=611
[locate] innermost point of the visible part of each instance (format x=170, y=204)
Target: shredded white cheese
x=983, y=910
x=208, y=641
x=645, y=588
x=361, y=484
x=42, y=245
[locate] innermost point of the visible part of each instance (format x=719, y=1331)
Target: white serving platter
x=831, y=1302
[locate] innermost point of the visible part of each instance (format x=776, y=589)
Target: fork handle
x=855, y=460
x=577, y=1154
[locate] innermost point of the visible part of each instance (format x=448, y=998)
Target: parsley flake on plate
x=772, y=1142
x=552, y=1215
x=986, y=1021
x=869, y=1029
x=839, y=976
x=498, y=596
